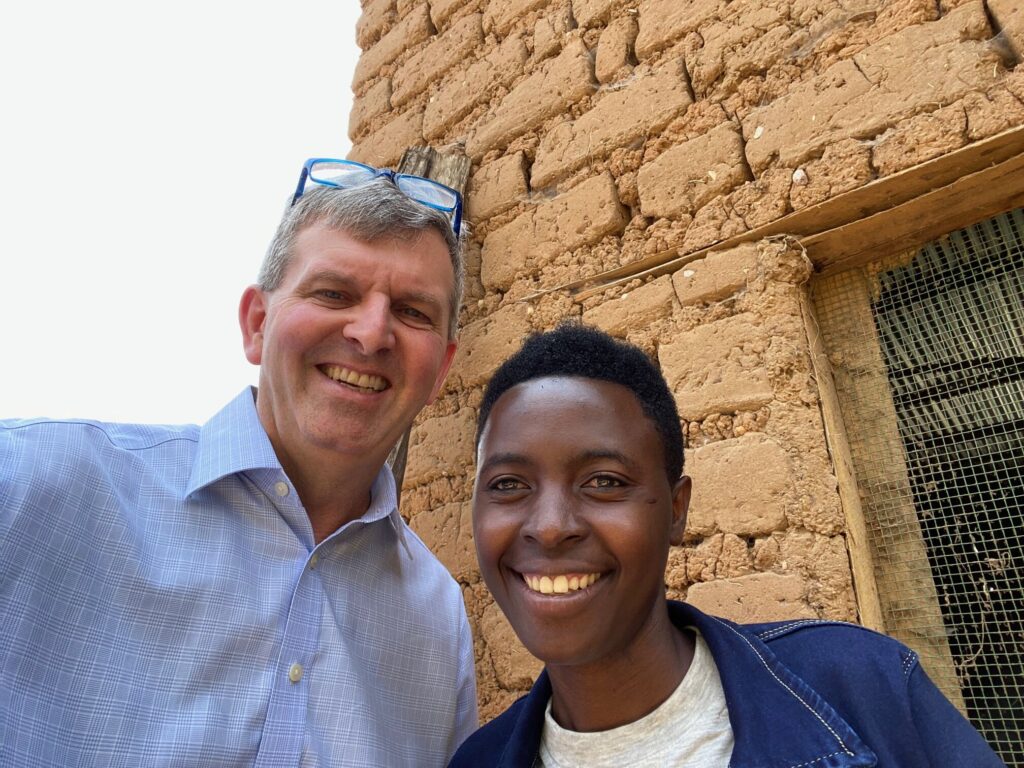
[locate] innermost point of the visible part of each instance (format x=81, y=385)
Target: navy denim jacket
x=801, y=694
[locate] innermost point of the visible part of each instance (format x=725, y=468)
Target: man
x=579, y=494
x=247, y=593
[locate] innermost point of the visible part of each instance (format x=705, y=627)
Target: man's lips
x=559, y=583
x=365, y=381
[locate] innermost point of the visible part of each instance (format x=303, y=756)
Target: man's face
x=351, y=345
x=573, y=515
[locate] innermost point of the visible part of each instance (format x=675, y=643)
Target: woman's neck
x=608, y=693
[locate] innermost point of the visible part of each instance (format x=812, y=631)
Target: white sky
x=146, y=153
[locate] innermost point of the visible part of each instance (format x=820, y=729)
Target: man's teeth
x=362, y=380
x=561, y=584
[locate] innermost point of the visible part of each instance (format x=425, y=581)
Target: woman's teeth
x=561, y=584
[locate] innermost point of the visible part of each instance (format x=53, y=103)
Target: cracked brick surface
x=603, y=132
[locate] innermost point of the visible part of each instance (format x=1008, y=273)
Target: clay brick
x=376, y=15
x=919, y=139
x=991, y=113
x=462, y=91
x=448, y=533
x=615, y=49
x=485, y=344
x=716, y=276
x=593, y=13
x=442, y=10
x=1008, y=16
x=549, y=31
x=441, y=447
x=619, y=118
x=718, y=367
x=514, y=667
x=375, y=101
x=684, y=178
x=740, y=486
x=759, y=597
x=501, y=15
x=905, y=73
x=843, y=166
x=496, y=187
x=440, y=55
x=664, y=22
x=385, y=147
x=581, y=216
x=410, y=31
x=559, y=83
x=750, y=39
x=636, y=309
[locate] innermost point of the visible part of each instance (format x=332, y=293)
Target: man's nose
x=554, y=520
x=369, y=325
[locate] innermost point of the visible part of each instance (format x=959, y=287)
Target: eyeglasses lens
x=428, y=192
x=340, y=174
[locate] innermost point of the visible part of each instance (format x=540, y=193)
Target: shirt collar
x=234, y=441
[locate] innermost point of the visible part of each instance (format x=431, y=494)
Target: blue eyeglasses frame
x=455, y=211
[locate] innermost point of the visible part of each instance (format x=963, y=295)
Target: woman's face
x=573, y=515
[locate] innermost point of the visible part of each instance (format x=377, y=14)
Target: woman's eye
x=506, y=484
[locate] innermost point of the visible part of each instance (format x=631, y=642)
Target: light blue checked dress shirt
x=162, y=603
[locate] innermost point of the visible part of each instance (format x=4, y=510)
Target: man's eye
x=331, y=295
x=415, y=315
x=604, y=481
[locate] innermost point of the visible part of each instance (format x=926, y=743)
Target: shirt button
x=313, y=560
x=281, y=487
x=295, y=672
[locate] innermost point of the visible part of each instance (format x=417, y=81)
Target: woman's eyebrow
x=503, y=458
x=582, y=457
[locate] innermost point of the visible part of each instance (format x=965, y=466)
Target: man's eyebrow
x=326, y=276
x=333, y=276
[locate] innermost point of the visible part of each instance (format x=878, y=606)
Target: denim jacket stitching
x=908, y=662
x=793, y=693
x=768, y=634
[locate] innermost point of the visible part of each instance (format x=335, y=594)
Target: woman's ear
x=680, y=505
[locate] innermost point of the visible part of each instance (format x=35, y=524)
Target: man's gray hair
x=370, y=212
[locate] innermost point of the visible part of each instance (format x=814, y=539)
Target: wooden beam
x=984, y=161
x=865, y=585
x=966, y=201
x=452, y=170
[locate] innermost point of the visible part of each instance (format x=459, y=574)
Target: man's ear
x=449, y=355
x=680, y=504
x=252, y=314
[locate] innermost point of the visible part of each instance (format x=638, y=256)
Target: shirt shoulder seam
x=101, y=428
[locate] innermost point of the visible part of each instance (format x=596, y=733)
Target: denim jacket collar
x=778, y=720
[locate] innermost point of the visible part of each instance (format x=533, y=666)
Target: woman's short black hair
x=574, y=349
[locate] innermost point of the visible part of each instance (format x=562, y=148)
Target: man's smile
x=364, y=381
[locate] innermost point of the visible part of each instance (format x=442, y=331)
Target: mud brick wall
x=604, y=131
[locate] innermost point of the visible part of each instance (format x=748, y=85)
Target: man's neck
x=334, y=496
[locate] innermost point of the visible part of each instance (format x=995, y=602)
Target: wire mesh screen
x=928, y=356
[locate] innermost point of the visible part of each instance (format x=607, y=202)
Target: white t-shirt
x=690, y=729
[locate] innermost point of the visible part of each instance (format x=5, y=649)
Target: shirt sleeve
x=949, y=740
x=466, y=716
